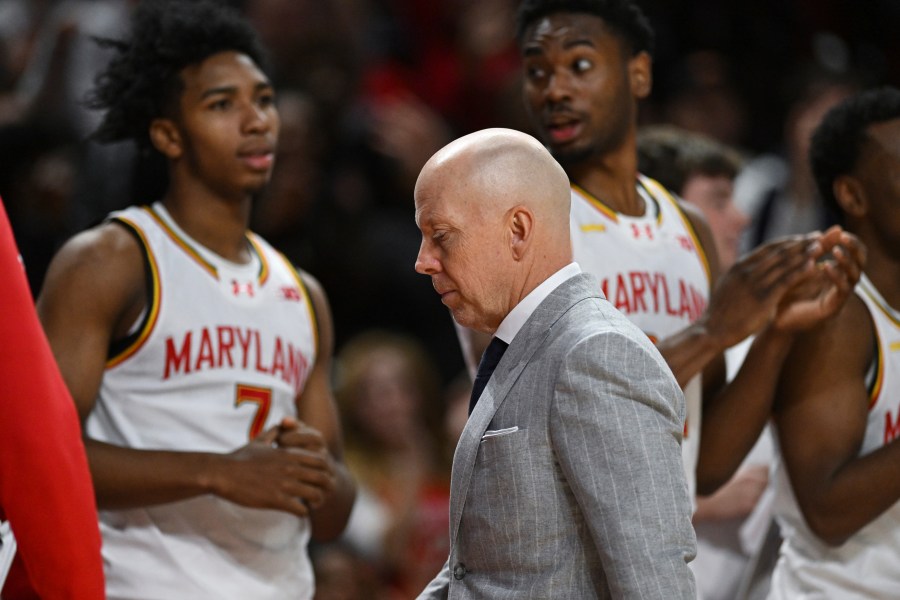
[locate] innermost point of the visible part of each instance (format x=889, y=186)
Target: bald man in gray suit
x=567, y=480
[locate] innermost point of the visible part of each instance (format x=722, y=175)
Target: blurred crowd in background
x=367, y=91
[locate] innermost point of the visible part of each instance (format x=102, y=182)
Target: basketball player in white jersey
x=837, y=412
x=587, y=64
x=197, y=356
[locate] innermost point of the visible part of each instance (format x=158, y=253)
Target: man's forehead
x=426, y=209
x=222, y=66
x=565, y=27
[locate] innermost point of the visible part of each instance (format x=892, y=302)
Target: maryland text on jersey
x=227, y=346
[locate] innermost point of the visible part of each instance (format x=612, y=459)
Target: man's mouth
x=259, y=162
x=562, y=130
x=259, y=157
x=443, y=292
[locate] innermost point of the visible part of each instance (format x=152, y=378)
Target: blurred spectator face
x=714, y=196
x=388, y=402
x=579, y=88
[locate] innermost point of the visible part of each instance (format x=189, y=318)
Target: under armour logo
x=237, y=288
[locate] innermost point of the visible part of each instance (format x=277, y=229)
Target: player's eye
x=266, y=100
x=581, y=65
x=535, y=72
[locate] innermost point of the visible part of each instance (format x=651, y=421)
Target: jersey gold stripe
x=604, y=210
x=263, y=275
x=307, y=298
x=153, y=311
x=879, y=371
x=182, y=243
x=701, y=253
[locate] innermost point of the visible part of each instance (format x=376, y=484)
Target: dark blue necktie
x=492, y=355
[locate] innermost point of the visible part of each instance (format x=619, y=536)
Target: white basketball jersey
x=653, y=269
x=868, y=564
x=220, y=354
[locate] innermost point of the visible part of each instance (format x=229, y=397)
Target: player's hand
x=299, y=438
x=822, y=293
x=263, y=474
x=747, y=296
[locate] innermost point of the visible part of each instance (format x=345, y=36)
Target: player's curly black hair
x=142, y=81
x=623, y=16
x=838, y=142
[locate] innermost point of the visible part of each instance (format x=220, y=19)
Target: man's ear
x=521, y=226
x=850, y=195
x=166, y=138
x=640, y=73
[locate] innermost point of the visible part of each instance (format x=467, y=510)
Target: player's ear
x=850, y=195
x=166, y=138
x=520, y=227
x=640, y=73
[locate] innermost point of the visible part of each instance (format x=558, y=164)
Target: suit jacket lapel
x=514, y=361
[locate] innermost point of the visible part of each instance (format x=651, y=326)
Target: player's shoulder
x=855, y=318
x=105, y=249
x=98, y=270
x=849, y=336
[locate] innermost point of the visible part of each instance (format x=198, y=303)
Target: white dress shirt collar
x=516, y=318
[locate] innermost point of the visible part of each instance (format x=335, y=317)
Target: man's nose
x=426, y=264
x=559, y=86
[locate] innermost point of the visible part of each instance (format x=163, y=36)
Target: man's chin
x=462, y=319
x=569, y=155
x=256, y=188
x=467, y=320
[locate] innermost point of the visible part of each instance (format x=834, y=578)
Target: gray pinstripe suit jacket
x=567, y=480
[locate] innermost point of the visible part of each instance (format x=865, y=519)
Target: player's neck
x=217, y=223
x=611, y=179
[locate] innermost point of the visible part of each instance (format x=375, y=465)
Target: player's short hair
x=672, y=155
x=624, y=17
x=838, y=142
x=142, y=81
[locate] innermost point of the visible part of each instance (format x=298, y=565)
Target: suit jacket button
x=459, y=571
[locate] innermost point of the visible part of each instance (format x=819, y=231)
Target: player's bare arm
x=820, y=416
x=772, y=292
x=743, y=299
x=734, y=418
x=94, y=292
x=318, y=432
